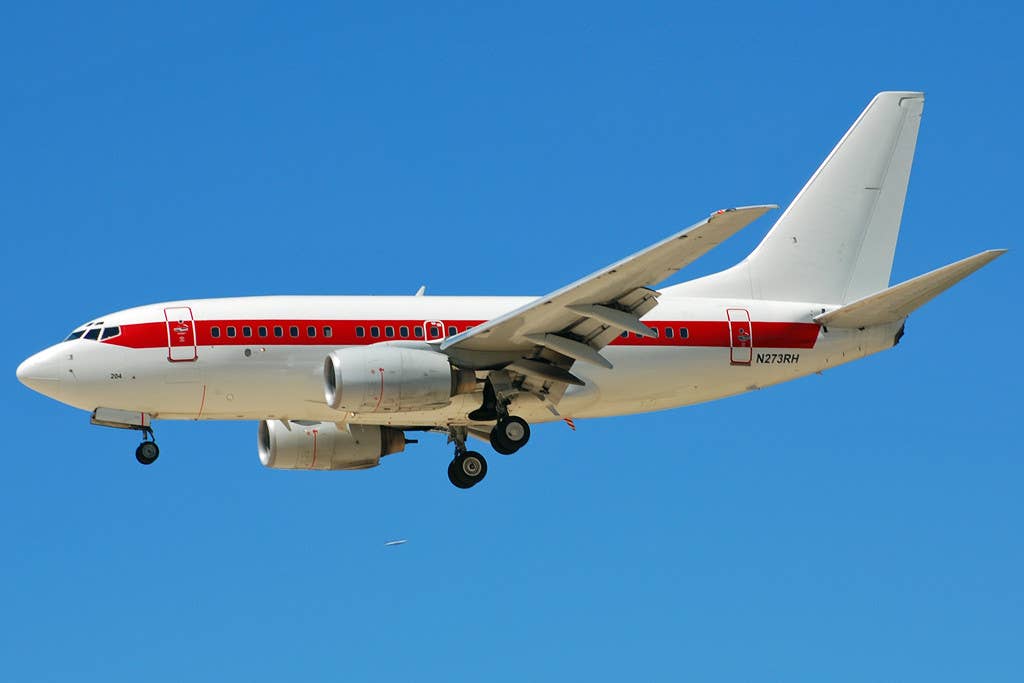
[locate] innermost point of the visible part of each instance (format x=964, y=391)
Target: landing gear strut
x=468, y=468
x=148, y=451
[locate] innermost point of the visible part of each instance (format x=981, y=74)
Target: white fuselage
x=255, y=358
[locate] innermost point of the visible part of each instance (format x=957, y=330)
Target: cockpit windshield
x=94, y=331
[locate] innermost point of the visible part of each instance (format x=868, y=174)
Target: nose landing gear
x=148, y=451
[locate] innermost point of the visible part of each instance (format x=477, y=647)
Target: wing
x=545, y=337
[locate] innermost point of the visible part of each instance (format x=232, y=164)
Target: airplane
x=339, y=382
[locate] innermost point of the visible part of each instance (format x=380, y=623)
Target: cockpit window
x=93, y=333
x=109, y=332
x=75, y=335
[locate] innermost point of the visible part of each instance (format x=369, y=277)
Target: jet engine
x=326, y=447
x=391, y=379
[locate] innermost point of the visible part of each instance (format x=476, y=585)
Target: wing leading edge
x=545, y=337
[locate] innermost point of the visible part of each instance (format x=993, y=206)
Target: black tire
x=467, y=470
x=147, y=452
x=510, y=434
x=498, y=445
x=455, y=476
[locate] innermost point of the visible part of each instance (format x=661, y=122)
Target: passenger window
x=278, y=331
x=389, y=331
x=360, y=332
x=683, y=333
x=109, y=332
x=624, y=335
x=94, y=333
x=231, y=331
x=655, y=332
x=263, y=330
x=311, y=331
x=215, y=332
x=638, y=335
x=403, y=331
x=328, y=331
x=246, y=331
x=374, y=331
x=418, y=332
x=293, y=331
x=668, y=333
x=452, y=330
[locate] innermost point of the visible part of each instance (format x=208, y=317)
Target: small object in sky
x=400, y=541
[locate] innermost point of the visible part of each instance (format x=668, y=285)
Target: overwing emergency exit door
x=181, y=334
x=433, y=330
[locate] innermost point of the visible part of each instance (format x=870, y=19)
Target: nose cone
x=41, y=372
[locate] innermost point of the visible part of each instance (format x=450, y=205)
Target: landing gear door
x=181, y=334
x=433, y=330
x=741, y=336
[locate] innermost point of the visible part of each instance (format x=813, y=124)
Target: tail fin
x=835, y=242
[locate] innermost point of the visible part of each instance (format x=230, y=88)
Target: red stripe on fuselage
x=706, y=333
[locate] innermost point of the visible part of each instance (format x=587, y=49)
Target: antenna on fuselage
x=421, y=290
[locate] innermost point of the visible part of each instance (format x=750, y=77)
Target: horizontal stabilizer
x=898, y=302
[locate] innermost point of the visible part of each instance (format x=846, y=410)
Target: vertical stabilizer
x=835, y=242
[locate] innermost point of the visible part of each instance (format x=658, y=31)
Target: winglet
x=898, y=302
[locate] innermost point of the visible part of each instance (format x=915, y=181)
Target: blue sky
x=860, y=525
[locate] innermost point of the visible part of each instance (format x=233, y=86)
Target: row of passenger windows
x=231, y=331
x=670, y=333
x=389, y=332
x=403, y=331
x=264, y=331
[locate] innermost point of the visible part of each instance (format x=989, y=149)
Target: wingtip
x=754, y=208
x=990, y=254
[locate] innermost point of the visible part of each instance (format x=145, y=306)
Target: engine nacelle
x=326, y=447
x=391, y=379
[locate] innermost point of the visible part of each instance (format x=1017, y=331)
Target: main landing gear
x=468, y=468
x=148, y=451
x=510, y=434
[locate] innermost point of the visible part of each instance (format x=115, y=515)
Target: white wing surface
x=543, y=338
